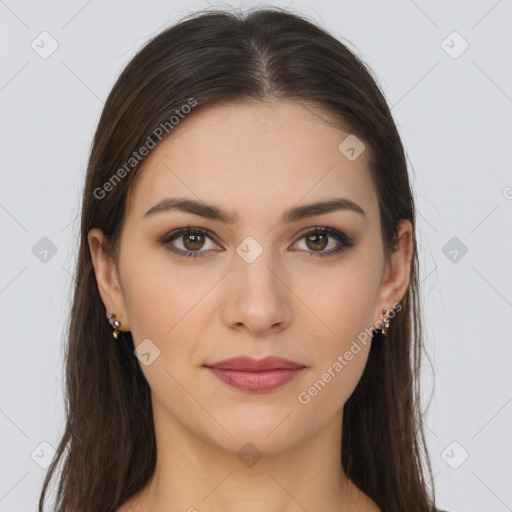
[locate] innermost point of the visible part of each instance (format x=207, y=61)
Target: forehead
x=251, y=156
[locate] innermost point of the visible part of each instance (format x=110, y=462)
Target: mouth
x=256, y=375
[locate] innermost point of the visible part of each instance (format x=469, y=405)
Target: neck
x=193, y=474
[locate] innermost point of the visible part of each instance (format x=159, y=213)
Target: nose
x=256, y=297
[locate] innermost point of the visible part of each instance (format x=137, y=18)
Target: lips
x=248, y=364
x=256, y=375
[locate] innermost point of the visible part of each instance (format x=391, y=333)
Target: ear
x=397, y=272
x=107, y=278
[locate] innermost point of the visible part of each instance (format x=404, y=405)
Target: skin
x=255, y=160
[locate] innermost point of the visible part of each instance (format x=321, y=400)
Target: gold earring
x=385, y=320
x=116, y=324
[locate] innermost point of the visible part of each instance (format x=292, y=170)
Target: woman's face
x=250, y=278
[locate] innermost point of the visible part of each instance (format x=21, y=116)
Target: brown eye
x=193, y=241
x=189, y=242
x=317, y=240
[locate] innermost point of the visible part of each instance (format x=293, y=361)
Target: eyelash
x=344, y=241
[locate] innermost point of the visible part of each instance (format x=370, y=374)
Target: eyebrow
x=213, y=212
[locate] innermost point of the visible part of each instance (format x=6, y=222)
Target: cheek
x=341, y=357
x=150, y=304
x=346, y=303
x=165, y=307
x=333, y=380
x=165, y=303
x=149, y=291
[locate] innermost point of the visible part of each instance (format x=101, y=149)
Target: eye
x=319, y=238
x=191, y=240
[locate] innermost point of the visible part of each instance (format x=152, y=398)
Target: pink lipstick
x=256, y=375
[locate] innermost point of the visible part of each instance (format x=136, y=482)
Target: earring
x=116, y=324
x=385, y=320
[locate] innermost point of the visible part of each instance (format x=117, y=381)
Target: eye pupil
x=199, y=241
x=316, y=237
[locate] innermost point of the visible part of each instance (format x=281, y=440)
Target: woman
x=246, y=327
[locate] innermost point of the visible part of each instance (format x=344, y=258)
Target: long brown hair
x=108, y=449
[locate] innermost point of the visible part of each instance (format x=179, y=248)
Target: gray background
x=454, y=113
